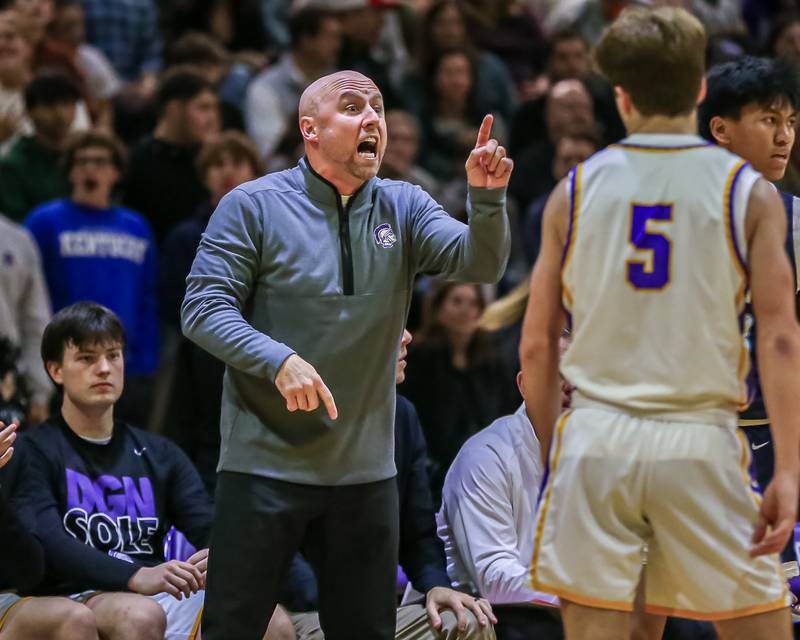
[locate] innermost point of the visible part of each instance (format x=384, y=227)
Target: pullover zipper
x=345, y=249
x=344, y=245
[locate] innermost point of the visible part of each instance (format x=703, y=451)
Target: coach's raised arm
x=301, y=285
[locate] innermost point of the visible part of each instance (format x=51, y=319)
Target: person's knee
x=472, y=631
x=771, y=625
x=136, y=618
x=51, y=618
x=148, y=615
x=77, y=623
x=280, y=626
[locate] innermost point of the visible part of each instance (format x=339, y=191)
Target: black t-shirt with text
x=103, y=510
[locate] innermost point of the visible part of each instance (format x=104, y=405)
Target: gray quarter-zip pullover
x=284, y=267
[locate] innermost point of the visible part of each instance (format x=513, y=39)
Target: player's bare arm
x=544, y=322
x=772, y=287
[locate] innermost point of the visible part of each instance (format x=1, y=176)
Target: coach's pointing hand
x=487, y=165
x=302, y=387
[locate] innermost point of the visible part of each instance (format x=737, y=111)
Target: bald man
x=301, y=285
x=568, y=110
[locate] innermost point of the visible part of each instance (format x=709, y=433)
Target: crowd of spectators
x=124, y=122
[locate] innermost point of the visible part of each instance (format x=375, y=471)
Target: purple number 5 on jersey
x=651, y=273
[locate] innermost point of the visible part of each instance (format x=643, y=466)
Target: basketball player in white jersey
x=648, y=249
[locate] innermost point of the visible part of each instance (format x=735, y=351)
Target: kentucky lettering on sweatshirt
x=107, y=256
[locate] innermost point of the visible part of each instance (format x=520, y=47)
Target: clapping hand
x=177, y=578
x=8, y=434
x=200, y=560
x=487, y=165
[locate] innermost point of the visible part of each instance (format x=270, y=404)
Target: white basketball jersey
x=654, y=278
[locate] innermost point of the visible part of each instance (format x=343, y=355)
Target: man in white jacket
x=488, y=511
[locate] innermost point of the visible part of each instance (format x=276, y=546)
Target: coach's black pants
x=348, y=533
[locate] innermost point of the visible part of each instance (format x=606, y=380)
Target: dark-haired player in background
x=750, y=109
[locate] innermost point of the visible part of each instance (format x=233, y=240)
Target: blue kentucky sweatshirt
x=107, y=256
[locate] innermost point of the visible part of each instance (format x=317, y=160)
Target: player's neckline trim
x=659, y=149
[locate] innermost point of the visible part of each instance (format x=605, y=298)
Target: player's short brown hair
x=657, y=56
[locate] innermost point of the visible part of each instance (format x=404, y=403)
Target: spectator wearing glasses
x=84, y=235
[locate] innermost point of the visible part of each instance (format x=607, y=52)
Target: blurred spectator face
x=226, y=175
x=199, y=117
x=460, y=310
x=403, y=145
x=362, y=25
x=764, y=136
x=39, y=12
x=93, y=174
x=15, y=52
x=568, y=110
x=13, y=398
x=787, y=45
x=569, y=152
x=612, y=8
x=68, y=25
x=52, y=122
x=400, y=368
x=453, y=77
x=92, y=375
x=570, y=59
x=447, y=28
x=213, y=73
x=325, y=45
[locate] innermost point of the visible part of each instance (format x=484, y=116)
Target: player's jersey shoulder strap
x=734, y=218
x=574, y=181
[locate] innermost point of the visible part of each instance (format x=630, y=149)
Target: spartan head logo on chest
x=384, y=236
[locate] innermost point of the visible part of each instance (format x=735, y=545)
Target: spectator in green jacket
x=30, y=173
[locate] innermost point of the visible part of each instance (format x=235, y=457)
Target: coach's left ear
x=701, y=95
x=308, y=129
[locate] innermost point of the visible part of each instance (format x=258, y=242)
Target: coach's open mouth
x=368, y=148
